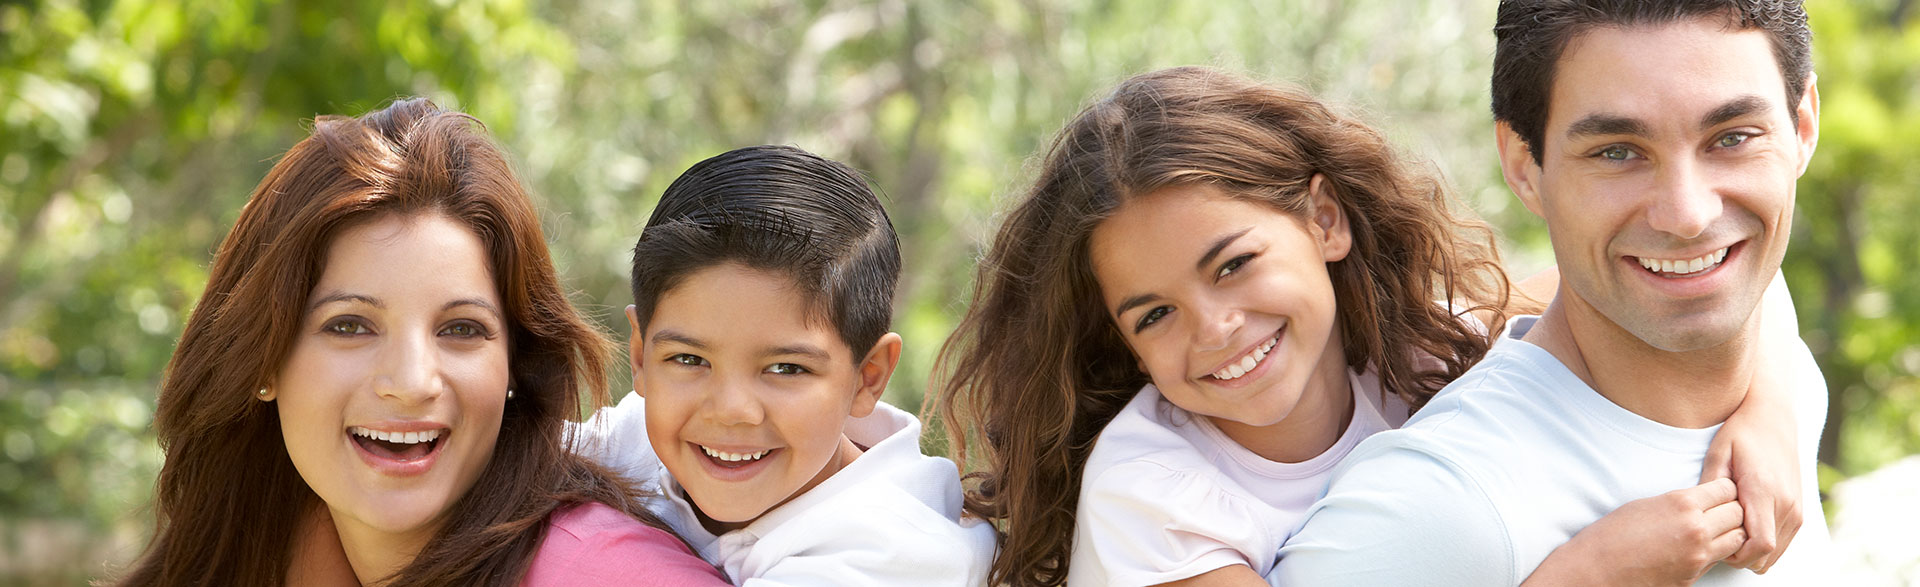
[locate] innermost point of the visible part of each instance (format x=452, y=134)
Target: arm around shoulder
x=1400, y=516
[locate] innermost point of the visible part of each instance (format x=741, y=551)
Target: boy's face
x=1668, y=173
x=746, y=396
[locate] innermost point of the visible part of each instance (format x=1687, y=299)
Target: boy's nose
x=734, y=405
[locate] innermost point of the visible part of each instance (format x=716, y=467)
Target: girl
x=380, y=371
x=1228, y=287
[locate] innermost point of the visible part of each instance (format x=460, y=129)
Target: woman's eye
x=786, y=369
x=1233, y=265
x=1151, y=317
x=688, y=360
x=345, y=327
x=1732, y=139
x=464, y=329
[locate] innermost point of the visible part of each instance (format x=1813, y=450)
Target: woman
x=384, y=345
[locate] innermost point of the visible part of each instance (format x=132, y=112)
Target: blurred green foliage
x=131, y=132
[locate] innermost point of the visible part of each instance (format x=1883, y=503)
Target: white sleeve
x=616, y=437
x=1400, y=516
x=1141, y=523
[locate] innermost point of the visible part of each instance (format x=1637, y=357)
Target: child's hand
x=1667, y=539
x=1755, y=448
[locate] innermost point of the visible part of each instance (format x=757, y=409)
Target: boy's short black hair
x=1531, y=34
x=783, y=210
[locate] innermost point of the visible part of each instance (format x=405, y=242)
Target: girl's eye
x=1732, y=139
x=1615, y=153
x=345, y=326
x=1232, y=265
x=464, y=329
x=688, y=360
x=1151, y=317
x=786, y=369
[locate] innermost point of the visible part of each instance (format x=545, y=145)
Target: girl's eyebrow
x=1219, y=244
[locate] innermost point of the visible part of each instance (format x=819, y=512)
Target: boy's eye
x=464, y=329
x=688, y=360
x=1152, y=316
x=345, y=326
x=786, y=369
x=1232, y=265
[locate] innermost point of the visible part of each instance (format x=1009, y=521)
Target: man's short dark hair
x=782, y=210
x=1530, y=35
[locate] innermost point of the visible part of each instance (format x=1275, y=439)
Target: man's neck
x=1691, y=389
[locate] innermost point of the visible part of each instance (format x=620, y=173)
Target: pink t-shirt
x=593, y=544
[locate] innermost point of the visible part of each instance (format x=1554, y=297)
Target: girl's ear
x=635, y=345
x=875, y=370
x=1327, y=220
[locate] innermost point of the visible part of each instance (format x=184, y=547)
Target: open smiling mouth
x=733, y=460
x=401, y=447
x=1248, y=362
x=1679, y=268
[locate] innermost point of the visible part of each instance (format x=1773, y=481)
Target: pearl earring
x=509, y=393
x=263, y=393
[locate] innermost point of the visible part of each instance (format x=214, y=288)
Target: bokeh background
x=131, y=132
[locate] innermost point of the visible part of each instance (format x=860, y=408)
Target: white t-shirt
x=1508, y=463
x=1167, y=496
x=892, y=517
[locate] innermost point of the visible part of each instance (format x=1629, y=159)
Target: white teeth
x=1246, y=363
x=732, y=457
x=395, y=437
x=1685, y=266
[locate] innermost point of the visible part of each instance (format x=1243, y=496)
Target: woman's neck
x=375, y=554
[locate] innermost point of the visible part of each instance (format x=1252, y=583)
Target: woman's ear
x=1327, y=220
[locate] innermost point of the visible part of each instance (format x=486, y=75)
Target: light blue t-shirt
x=1509, y=462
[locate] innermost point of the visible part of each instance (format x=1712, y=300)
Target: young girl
x=373, y=388
x=1213, y=292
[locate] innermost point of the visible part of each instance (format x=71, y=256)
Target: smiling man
x=1660, y=141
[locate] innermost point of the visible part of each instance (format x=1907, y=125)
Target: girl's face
x=391, y=399
x=1226, y=303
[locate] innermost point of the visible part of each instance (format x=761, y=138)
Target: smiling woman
x=380, y=368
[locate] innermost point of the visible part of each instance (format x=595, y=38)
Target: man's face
x=1667, y=176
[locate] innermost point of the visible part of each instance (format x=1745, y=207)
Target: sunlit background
x=131, y=133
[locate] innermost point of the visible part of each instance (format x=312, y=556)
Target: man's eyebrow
x=1606, y=124
x=1735, y=108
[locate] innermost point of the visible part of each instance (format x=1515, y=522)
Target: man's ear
x=1517, y=164
x=636, y=343
x=1809, y=125
x=875, y=370
x=1327, y=220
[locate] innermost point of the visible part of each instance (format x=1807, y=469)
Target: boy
x=763, y=289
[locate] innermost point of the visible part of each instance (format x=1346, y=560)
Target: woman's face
x=391, y=399
x=1226, y=303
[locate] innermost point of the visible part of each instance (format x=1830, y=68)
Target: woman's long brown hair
x=1036, y=367
x=228, y=496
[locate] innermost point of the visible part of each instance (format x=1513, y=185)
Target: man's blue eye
x=1733, y=139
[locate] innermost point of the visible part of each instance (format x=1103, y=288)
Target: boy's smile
x=748, y=391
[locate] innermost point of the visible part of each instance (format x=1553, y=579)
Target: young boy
x=763, y=288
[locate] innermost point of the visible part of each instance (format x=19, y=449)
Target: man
x=1660, y=141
